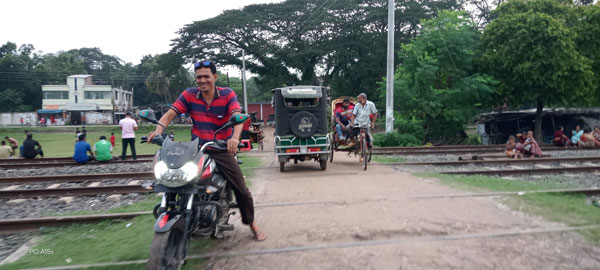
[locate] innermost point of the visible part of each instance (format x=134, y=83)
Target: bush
x=395, y=139
x=409, y=126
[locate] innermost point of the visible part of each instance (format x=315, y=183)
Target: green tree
x=437, y=82
x=340, y=43
x=17, y=73
x=531, y=48
x=12, y=101
x=587, y=27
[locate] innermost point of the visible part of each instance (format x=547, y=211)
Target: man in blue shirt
x=81, y=150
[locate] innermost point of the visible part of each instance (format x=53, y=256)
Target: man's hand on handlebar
x=157, y=132
x=232, y=145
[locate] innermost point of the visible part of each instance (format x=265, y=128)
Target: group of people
x=526, y=146
x=580, y=138
x=350, y=115
x=102, y=150
x=29, y=149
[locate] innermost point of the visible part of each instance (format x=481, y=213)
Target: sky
x=128, y=29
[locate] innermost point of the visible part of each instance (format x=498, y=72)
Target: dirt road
x=360, y=213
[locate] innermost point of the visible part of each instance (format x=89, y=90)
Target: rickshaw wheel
x=281, y=166
x=364, y=151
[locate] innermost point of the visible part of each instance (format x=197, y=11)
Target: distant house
x=262, y=110
x=81, y=102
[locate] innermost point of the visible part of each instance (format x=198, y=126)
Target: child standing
x=112, y=139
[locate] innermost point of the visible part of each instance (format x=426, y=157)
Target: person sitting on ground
x=31, y=148
x=531, y=147
x=576, y=135
x=560, y=139
x=103, y=150
x=6, y=151
x=596, y=135
x=81, y=150
x=511, y=146
x=587, y=140
x=342, y=120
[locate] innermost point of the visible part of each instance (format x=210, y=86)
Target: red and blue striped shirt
x=207, y=118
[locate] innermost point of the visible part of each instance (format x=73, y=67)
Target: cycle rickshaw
x=355, y=134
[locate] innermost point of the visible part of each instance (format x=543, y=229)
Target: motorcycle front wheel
x=164, y=251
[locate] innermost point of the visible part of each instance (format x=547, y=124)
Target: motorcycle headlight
x=159, y=169
x=190, y=170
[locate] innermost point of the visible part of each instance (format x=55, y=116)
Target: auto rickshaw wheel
x=281, y=166
x=323, y=164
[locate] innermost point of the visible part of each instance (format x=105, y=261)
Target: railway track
x=31, y=224
x=71, y=191
x=502, y=161
x=28, y=224
x=56, y=159
x=530, y=171
x=73, y=178
x=457, y=151
x=36, y=165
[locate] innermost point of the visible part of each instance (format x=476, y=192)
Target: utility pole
x=244, y=81
x=389, y=95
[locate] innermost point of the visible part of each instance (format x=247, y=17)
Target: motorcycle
x=196, y=197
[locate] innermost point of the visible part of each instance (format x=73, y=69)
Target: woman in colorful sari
x=531, y=147
x=576, y=135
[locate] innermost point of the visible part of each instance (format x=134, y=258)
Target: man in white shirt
x=361, y=116
x=128, y=128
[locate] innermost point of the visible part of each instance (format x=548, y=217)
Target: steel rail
x=56, y=159
x=351, y=244
x=28, y=224
x=527, y=171
x=36, y=165
x=547, y=147
x=501, y=161
x=76, y=191
x=73, y=178
x=377, y=151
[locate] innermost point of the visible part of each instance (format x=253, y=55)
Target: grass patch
x=111, y=241
x=388, y=159
x=108, y=241
x=570, y=209
x=60, y=141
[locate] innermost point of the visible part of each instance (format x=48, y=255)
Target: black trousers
x=38, y=151
x=233, y=173
x=131, y=142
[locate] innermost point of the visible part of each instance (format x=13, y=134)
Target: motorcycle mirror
x=237, y=119
x=148, y=115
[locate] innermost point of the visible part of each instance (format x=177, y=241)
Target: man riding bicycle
x=361, y=116
x=210, y=107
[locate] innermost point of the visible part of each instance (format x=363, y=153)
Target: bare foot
x=259, y=235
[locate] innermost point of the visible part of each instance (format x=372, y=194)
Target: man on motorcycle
x=210, y=108
x=361, y=116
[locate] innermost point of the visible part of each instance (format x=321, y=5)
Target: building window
x=97, y=95
x=56, y=94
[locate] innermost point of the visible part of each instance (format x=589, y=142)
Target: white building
x=82, y=102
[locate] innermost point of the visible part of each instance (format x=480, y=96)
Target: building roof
x=513, y=115
x=80, y=76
